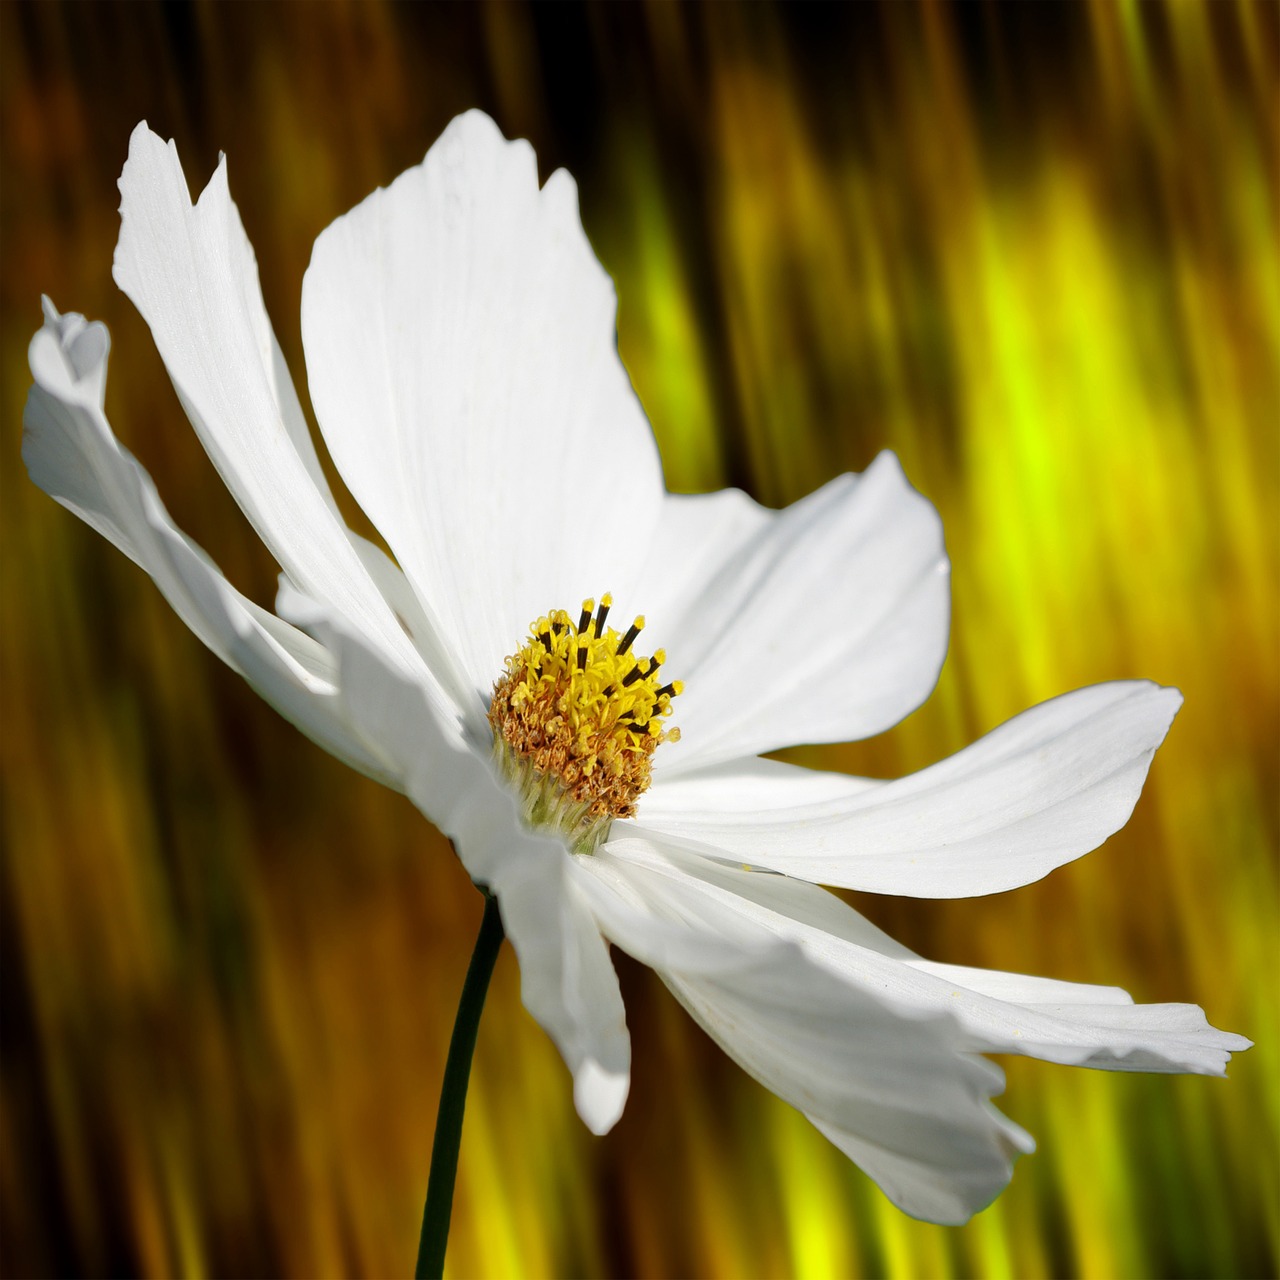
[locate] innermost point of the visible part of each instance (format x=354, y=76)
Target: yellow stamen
x=576, y=718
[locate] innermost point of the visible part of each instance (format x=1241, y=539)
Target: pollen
x=576, y=716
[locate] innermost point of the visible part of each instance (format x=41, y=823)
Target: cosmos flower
x=459, y=338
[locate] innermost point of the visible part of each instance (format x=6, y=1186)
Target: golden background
x=1031, y=247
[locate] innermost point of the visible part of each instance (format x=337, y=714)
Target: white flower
x=459, y=338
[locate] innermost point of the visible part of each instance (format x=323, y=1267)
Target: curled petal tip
x=600, y=1095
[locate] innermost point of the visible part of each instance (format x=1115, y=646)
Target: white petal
x=824, y=622
x=1064, y=1022
x=752, y=785
x=1042, y=789
x=892, y=1087
x=1082, y=1025
x=460, y=346
x=568, y=982
x=192, y=274
x=925, y=1186
x=71, y=453
x=699, y=538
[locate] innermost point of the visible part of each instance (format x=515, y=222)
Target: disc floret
x=576, y=718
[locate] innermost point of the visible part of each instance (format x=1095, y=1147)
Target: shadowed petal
x=895, y=1084
x=567, y=979
x=71, y=453
x=1066, y=1022
x=1082, y=1025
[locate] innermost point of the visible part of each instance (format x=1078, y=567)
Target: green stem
x=453, y=1097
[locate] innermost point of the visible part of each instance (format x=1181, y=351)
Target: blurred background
x=1032, y=248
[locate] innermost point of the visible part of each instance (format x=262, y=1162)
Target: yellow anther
x=576, y=718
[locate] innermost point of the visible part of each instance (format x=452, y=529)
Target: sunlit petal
x=824, y=622
x=461, y=352
x=1042, y=789
x=191, y=272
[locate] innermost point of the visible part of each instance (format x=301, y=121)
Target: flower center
x=576, y=718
